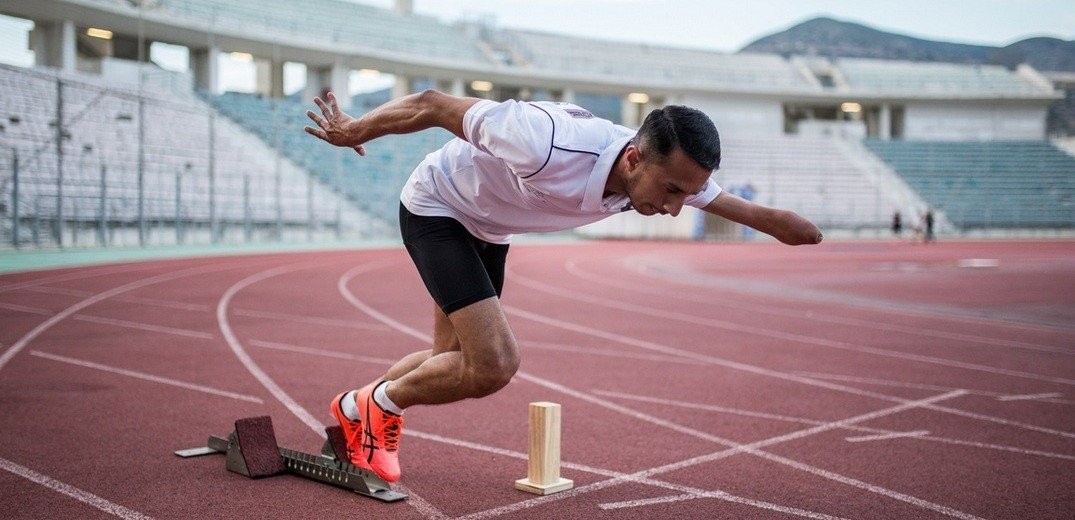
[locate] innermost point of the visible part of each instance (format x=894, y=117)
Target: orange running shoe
x=380, y=442
x=352, y=430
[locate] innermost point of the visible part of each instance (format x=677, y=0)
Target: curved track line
x=905, y=404
x=774, y=290
x=415, y=333
x=251, y=366
x=60, y=316
x=573, y=268
x=582, y=329
x=785, y=336
x=814, y=422
x=71, y=491
x=423, y=507
x=77, y=275
x=147, y=377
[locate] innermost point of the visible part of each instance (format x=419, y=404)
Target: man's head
x=674, y=153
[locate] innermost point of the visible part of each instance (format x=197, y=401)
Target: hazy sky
x=717, y=25
x=728, y=26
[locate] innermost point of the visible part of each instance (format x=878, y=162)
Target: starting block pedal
x=252, y=451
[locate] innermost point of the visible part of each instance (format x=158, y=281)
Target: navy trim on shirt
x=552, y=139
x=553, y=146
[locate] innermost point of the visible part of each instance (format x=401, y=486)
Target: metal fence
x=95, y=164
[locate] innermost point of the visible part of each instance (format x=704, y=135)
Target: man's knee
x=489, y=377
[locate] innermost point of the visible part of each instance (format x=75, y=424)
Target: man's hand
x=336, y=128
x=785, y=226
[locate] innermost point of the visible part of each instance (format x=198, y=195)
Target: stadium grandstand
x=101, y=146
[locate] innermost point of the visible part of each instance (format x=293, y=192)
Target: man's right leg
x=474, y=352
x=444, y=340
x=485, y=361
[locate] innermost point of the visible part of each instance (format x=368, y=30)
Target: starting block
x=252, y=451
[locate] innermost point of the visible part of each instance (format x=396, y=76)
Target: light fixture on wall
x=103, y=34
x=851, y=108
x=481, y=86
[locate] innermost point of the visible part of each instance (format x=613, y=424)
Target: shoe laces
x=393, y=427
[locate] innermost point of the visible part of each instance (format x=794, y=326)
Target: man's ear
x=633, y=156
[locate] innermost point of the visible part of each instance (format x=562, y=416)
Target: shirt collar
x=593, y=198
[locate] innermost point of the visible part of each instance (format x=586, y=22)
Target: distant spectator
x=929, y=225
x=897, y=224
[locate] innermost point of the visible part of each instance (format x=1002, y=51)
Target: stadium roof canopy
x=323, y=33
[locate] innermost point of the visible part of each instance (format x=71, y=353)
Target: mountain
x=835, y=38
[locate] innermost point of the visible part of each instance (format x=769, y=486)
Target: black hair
x=673, y=126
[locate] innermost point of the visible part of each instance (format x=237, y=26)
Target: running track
x=848, y=380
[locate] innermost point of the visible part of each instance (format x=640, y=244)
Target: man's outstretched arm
x=785, y=226
x=408, y=114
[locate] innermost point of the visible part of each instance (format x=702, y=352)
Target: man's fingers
x=320, y=122
x=361, y=150
x=324, y=108
x=332, y=102
x=316, y=132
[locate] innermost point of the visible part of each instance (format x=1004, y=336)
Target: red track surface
x=854, y=380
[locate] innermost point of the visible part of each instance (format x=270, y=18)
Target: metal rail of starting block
x=252, y=451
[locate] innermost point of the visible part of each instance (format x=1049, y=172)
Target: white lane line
x=146, y=377
x=789, y=292
x=649, y=501
x=80, y=274
x=64, y=291
x=154, y=302
x=582, y=329
x=604, y=352
x=26, y=309
x=721, y=496
x=887, y=436
x=350, y=297
x=802, y=420
x=752, y=448
x=784, y=336
x=737, y=448
x=418, y=503
x=707, y=407
x=918, y=386
x=183, y=306
x=321, y=352
x=691, y=491
x=251, y=366
x=1030, y=397
x=56, y=318
x=572, y=267
x=85, y=497
x=145, y=326
x=351, y=324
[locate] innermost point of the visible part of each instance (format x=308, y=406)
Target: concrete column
x=632, y=114
x=68, y=53
x=404, y=86
x=205, y=66
x=263, y=77
x=54, y=45
x=459, y=87
x=334, y=78
x=339, y=82
x=886, y=121
x=568, y=96
x=315, y=81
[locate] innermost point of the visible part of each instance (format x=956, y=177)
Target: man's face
x=662, y=187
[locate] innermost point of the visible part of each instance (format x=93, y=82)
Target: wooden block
x=543, y=464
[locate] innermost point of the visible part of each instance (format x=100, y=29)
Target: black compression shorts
x=457, y=268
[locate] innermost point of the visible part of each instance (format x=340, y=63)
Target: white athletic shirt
x=525, y=167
